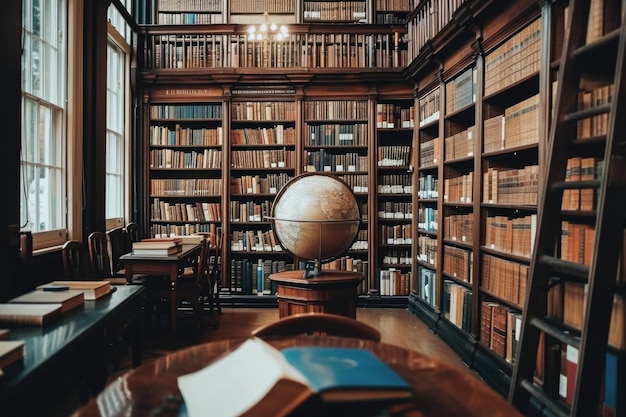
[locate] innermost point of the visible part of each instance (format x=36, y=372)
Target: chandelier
x=267, y=31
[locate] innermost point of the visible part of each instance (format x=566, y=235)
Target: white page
x=231, y=385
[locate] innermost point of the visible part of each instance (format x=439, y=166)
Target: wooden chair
x=117, y=247
x=76, y=264
x=98, y=245
x=214, y=275
x=318, y=323
x=131, y=234
x=191, y=290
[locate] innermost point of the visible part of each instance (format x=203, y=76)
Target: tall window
x=118, y=93
x=42, y=178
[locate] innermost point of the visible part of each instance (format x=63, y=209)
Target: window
x=43, y=145
x=117, y=123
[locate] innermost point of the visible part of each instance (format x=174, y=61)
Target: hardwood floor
x=397, y=326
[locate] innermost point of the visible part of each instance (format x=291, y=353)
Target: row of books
x=457, y=262
x=499, y=326
x=186, y=136
x=460, y=144
x=457, y=305
x=344, y=11
x=263, y=158
x=511, y=185
x=337, y=134
x=198, y=211
x=393, y=281
x=395, y=156
x=395, y=184
x=427, y=249
x=255, y=184
x=458, y=227
x=462, y=90
x=263, y=110
x=514, y=235
x=186, y=187
x=514, y=59
x=391, y=115
x=169, y=158
x=277, y=135
x=395, y=210
x=504, y=278
x=459, y=189
x=323, y=160
x=397, y=234
x=581, y=169
x=186, y=111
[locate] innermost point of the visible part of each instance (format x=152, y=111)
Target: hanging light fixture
x=267, y=31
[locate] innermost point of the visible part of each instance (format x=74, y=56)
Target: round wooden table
x=440, y=389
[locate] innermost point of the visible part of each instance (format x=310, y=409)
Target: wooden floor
x=397, y=326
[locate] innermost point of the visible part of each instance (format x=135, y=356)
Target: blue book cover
x=347, y=374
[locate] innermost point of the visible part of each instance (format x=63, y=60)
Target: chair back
x=131, y=234
x=75, y=262
x=215, y=272
x=319, y=324
x=99, y=255
x=117, y=247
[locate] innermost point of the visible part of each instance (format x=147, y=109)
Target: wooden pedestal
x=332, y=292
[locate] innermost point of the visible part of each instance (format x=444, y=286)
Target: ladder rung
x=586, y=113
x=579, y=271
x=554, y=406
x=556, y=332
x=606, y=42
x=569, y=185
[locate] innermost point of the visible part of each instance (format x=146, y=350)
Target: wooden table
x=332, y=292
x=440, y=389
x=171, y=266
x=70, y=353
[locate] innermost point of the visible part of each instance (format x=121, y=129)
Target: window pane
x=42, y=177
x=115, y=144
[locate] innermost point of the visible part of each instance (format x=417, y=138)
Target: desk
x=69, y=353
x=441, y=390
x=171, y=266
x=332, y=292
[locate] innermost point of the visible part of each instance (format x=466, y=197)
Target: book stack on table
x=158, y=246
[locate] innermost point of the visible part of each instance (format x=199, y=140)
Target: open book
x=256, y=379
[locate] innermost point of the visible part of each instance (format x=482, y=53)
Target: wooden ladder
x=600, y=61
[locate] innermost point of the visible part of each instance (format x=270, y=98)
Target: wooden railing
x=307, y=46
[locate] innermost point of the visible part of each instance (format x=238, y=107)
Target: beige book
x=92, y=290
x=68, y=299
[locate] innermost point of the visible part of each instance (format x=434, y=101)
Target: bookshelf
x=336, y=139
x=263, y=159
x=428, y=175
x=395, y=166
x=392, y=12
x=185, y=149
x=189, y=12
x=478, y=172
x=334, y=11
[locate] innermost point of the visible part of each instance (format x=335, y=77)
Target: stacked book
x=158, y=246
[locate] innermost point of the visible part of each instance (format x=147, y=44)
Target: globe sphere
x=315, y=217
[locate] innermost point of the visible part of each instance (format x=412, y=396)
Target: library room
x=212, y=208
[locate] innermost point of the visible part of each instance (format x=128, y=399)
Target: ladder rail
x=608, y=240
x=560, y=133
x=607, y=248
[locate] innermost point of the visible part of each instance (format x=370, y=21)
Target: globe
x=315, y=217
